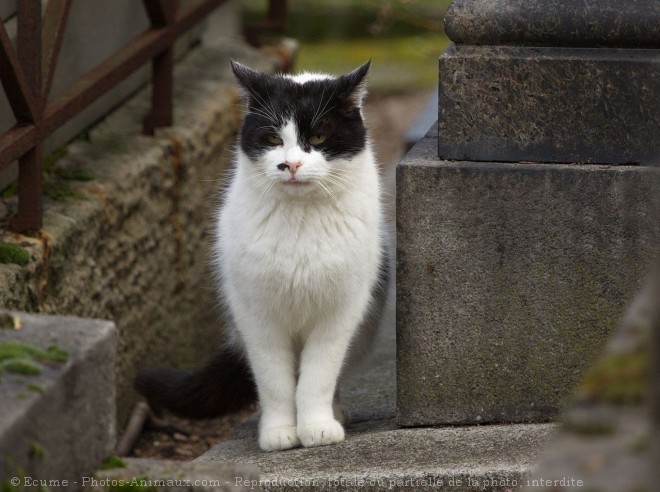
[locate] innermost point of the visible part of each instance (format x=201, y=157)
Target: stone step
x=510, y=277
x=378, y=456
x=57, y=399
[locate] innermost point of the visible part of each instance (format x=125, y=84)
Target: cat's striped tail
x=223, y=386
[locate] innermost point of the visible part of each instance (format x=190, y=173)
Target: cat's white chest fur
x=300, y=260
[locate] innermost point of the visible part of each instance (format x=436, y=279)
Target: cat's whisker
x=326, y=112
x=257, y=180
x=264, y=107
x=265, y=191
x=325, y=188
x=337, y=186
x=339, y=183
x=318, y=118
x=341, y=179
x=271, y=104
x=316, y=111
x=259, y=112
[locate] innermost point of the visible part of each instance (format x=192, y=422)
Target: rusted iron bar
x=275, y=22
x=16, y=142
x=161, y=14
x=52, y=34
x=93, y=84
x=161, y=113
x=277, y=13
x=28, y=47
x=14, y=81
x=29, y=216
x=116, y=68
x=27, y=78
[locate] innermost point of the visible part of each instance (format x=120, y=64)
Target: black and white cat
x=300, y=258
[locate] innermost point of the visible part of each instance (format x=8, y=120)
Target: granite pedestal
x=510, y=278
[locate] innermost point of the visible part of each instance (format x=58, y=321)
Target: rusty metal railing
x=27, y=75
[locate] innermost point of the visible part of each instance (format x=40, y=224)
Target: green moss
x=26, y=367
x=50, y=160
x=60, y=190
x=619, y=378
x=20, y=358
x=37, y=388
x=10, y=253
x=37, y=450
x=18, y=350
x=55, y=185
x=10, y=191
x=6, y=485
x=56, y=354
x=75, y=174
x=113, y=462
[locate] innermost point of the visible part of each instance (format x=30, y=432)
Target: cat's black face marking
x=326, y=108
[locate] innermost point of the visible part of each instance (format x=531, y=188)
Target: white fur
x=297, y=266
x=303, y=77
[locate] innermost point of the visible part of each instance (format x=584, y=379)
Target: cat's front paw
x=278, y=438
x=320, y=433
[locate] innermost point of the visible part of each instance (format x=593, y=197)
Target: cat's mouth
x=296, y=182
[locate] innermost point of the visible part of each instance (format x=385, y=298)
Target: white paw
x=320, y=433
x=278, y=438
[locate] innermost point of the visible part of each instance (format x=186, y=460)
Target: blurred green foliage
x=403, y=38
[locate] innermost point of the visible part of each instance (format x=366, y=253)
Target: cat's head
x=302, y=132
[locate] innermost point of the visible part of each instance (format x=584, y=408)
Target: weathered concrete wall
x=131, y=244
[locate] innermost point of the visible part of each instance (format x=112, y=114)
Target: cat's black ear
x=353, y=85
x=251, y=82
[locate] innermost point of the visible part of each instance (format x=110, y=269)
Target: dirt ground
x=388, y=118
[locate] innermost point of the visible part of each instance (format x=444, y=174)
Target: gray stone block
x=510, y=278
x=588, y=23
x=58, y=424
x=545, y=104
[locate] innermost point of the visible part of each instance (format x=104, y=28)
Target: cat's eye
x=274, y=139
x=317, y=139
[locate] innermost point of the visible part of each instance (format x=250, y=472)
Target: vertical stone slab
x=510, y=277
x=57, y=420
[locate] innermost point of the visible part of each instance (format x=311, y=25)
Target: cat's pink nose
x=293, y=166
